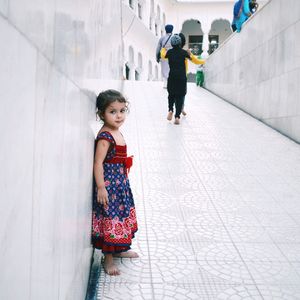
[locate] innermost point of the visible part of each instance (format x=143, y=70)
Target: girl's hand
x=102, y=197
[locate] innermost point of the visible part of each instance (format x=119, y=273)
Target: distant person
x=164, y=42
x=177, y=80
x=241, y=12
x=200, y=75
x=114, y=219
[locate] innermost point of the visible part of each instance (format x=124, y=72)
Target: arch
x=157, y=24
x=156, y=29
x=127, y=71
x=140, y=9
x=131, y=4
x=163, y=24
x=152, y=16
x=158, y=12
x=219, y=31
x=130, y=65
x=164, y=20
x=140, y=60
x=139, y=69
x=152, y=8
x=150, y=75
x=192, y=29
x=156, y=72
x=131, y=55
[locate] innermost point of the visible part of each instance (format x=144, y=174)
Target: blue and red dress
x=113, y=228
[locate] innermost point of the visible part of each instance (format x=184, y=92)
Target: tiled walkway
x=218, y=204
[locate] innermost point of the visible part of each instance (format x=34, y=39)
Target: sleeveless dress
x=114, y=227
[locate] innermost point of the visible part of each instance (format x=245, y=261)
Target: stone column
x=131, y=71
x=205, y=43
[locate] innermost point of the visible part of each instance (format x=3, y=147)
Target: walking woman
x=177, y=80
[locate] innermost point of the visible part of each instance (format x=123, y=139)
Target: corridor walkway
x=218, y=204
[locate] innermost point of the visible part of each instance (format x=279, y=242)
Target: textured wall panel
x=49, y=51
x=258, y=69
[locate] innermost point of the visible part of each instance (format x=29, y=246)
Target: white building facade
x=206, y=24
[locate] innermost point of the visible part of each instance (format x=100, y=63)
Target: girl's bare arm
x=101, y=151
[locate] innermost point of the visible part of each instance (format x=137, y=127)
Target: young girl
x=114, y=219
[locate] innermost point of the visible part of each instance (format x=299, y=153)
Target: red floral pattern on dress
x=107, y=225
x=118, y=229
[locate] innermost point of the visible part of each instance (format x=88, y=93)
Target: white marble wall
x=49, y=50
x=258, y=69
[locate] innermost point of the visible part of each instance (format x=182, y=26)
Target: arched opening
x=220, y=30
x=152, y=15
x=127, y=69
x=139, y=69
x=131, y=3
x=157, y=21
x=131, y=55
x=130, y=64
x=152, y=8
x=140, y=9
x=158, y=12
x=140, y=61
x=150, y=75
x=156, y=72
x=194, y=35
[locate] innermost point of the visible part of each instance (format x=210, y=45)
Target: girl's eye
x=123, y=110
x=113, y=112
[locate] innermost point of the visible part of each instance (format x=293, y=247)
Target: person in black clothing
x=178, y=60
x=177, y=77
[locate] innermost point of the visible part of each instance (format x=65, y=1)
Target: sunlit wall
x=48, y=51
x=258, y=69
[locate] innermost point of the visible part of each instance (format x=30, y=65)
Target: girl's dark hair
x=107, y=97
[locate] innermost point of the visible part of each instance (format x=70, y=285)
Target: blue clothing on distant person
x=241, y=12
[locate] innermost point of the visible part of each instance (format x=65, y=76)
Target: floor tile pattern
x=218, y=204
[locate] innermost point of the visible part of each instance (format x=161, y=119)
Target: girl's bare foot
x=127, y=254
x=170, y=115
x=177, y=121
x=109, y=266
x=184, y=113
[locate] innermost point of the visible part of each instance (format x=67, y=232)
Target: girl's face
x=115, y=115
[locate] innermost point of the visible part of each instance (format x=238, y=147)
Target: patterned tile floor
x=218, y=204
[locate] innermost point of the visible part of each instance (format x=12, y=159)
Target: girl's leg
x=109, y=265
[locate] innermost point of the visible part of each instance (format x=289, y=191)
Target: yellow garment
x=194, y=59
x=163, y=53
